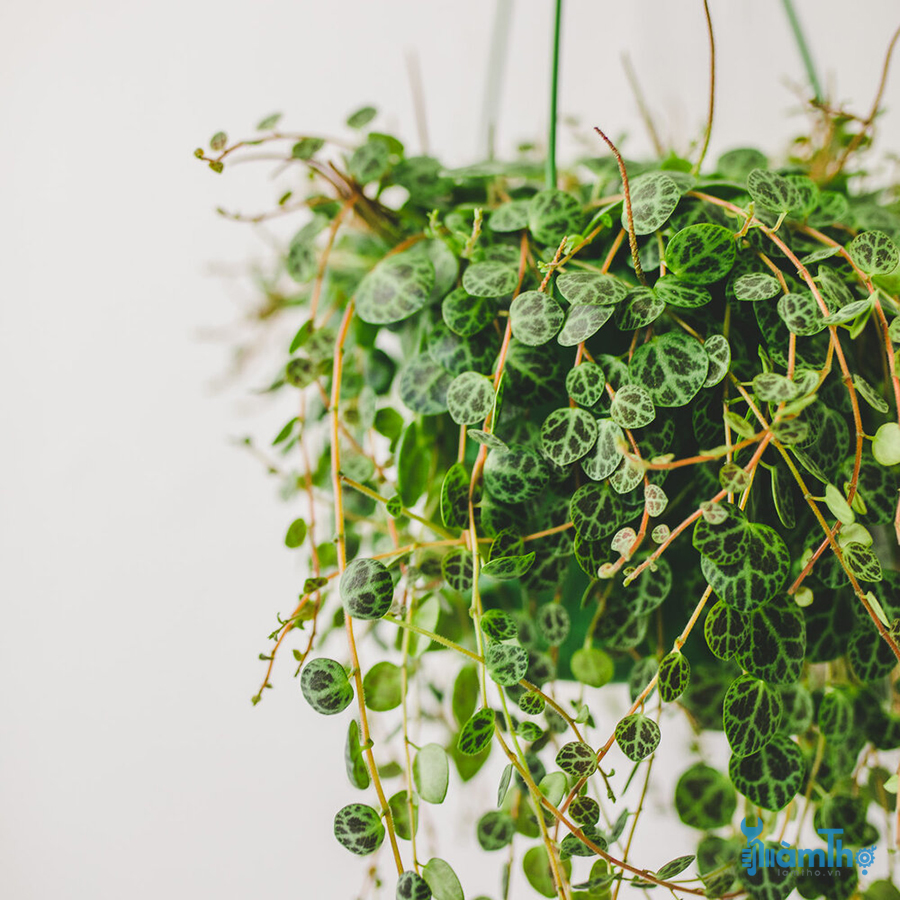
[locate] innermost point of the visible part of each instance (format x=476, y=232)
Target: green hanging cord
x=803, y=47
x=554, y=91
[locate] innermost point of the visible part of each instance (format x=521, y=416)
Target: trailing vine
x=549, y=463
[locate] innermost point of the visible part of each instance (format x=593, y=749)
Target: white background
x=142, y=556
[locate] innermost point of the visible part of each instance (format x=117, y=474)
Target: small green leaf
x=654, y=197
x=718, y=352
x=269, y=122
x=495, y=830
x=535, y=318
x=586, y=383
x=632, y=407
x=498, y=625
x=382, y=687
x=307, y=148
x=470, y=398
x=674, y=676
x=591, y=288
x=874, y=252
x=296, y=534
x=442, y=880
x=704, y=798
x=552, y=215
x=553, y=623
x=701, y=254
x=862, y=562
x=357, y=770
x=772, y=191
x=431, y=772
x=838, y=505
x=367, y=589
x=568, y=434
x=509, y=568
x=477, y=733
x=755, y=286
x=411, y=886
x=325, y=686
x=506, y=663
x=395, y=289
x=674, y=867
x=592, y=666
x=583, y=321
x=359, y=828
x=465, y=315
x=511, y=216
x=751, y=715
x=536, y=865
x=886, y=445
x=490, y=279
x=362, y=117
x=637, y=736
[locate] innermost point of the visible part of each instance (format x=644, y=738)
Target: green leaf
x=718, y=353
x=465, y=315
x=674, y=676
x=505, y=663
x=592, y=666
x=383, y=687
x=357, y=770
x=514, y=475
x=553, y=623
x=367, y=589
x=495, y=830
x=325, y=686
x=470, y=398
x=838, y=505
x=583, y=321
x=396, y=288
x=389, y=422
x=724, y=542
x=674, y=867
x=431, y=772
x=874, y=252
x=455, y=496
x=774, y=388
x=654, y=197
x=725, y=630
x=572, y=845
x=671, y=368
x=536, y=865
x=486, y=439
x=755, y=286
x=442, y=880
x=801, y=314
x=772, y=191
x=886, y=445
x=771, y=777
x=751, y=715
x=704, y=798
x=640, y=307
x=498, y=625
x=307, y=148
x=359, y=829
x=632, y=407
x=863, y=562
x=637, y=736
x=552, y=215
x=269, y=122
x=606, y=455
x=775, y=642
x=568, y=434
x=362, y=117
x=584, y=810
x=370, y=161
x=701, y=254
x=456, y=567
x=586, y=383
x=477, y=732
x=595, y=511
x=591, y=288
x=671, y=290
x=535, y=318
x=509, y=568
x=835, y=717
x=511, y=216
x=757, y=576
x=490, y=279
x=424, y=385
x=218, y=141
x=503, y=787
x=465, y=692
x=411, y=886
x=296, y=534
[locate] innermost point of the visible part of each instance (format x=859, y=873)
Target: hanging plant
x=626, y=423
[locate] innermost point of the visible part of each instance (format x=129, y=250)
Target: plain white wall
x=142, y=557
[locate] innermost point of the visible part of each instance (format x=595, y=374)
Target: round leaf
x=671, y=368
x=325, y=686
x=395, y=289
x=654, y=197
x=470, y=398
x=568, y=434
x=367, y=589
x=359, y=828
x=701, y=254
x=535, y=318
